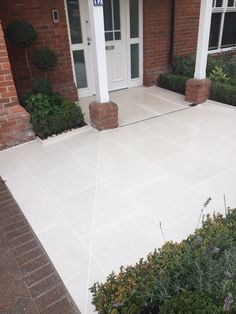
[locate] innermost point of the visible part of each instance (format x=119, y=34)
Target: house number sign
x=97, y=3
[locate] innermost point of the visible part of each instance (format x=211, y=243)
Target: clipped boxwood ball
x=44, y=59
x=41, y=85
x=21, y=33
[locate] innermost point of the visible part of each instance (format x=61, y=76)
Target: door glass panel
x=134, y=18
x=74, y=21
x=107, y=10
x=134, y=60
x=116, y=14
x=111, y=11
x=80, y=69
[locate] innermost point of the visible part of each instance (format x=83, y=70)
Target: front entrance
x=123, y=37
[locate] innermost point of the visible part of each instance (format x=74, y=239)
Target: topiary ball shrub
x=52, y=114
x=190, y=303
x=41, y=85
x=44, y=59
x=20, y=33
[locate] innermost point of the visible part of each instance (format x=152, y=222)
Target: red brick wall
x=14, y=121
x=54, y=36
x=156, y=17
x=156, y=31
x=186, y=26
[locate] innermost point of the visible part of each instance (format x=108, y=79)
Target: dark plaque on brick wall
x=98, y=3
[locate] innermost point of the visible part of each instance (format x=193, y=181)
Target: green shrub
x=230, y=66
x=212, y=63
x=184, y=65
x=173, y=82
x=44, y=59
x=218, y=75
x=21, y=34
x=225, y=93
x=190, y=303
x=203, y=264
x=41, y=85
x=52, y=114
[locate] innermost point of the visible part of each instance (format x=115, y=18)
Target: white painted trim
x=99, y=52
x=203, y=39
x=70, y=44
x=137, y=81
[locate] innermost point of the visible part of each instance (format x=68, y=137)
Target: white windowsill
x=221, y=50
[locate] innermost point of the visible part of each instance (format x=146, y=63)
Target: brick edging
x=29, y=283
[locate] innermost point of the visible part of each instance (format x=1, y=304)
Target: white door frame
x=89, y=91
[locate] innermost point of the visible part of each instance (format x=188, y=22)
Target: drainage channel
x=158, y=116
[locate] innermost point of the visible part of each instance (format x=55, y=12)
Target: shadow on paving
x=29, y=283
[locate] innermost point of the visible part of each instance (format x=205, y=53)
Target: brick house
x=122, y=44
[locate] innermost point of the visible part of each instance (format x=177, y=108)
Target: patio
x=95, y=199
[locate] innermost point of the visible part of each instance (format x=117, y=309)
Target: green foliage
x=185, y=65
x=212, y=63
x=203, y=265
x=225, y=93
x=52, y=114
x=218, y=75
x=44, y=59
x=173, y=82
x=230, y=66
x=41, y=85
x=190, y=303
x=21, y=34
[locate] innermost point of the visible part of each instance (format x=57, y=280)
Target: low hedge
x=173, y=82
x=51, y=114
x=225, y=93
x=178, y=275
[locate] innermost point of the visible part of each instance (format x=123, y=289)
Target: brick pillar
x=197, y=91
x=14, y=120
x=103, y=116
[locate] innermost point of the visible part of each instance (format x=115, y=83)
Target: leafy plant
x=212, y=63
x=218, y=75
x=22, y=34
x=190, y=303
x=52, y=114
x=173, y=82
x=44, y=59
x=41, y=85
x=225, y=93
x=184, y=65
x=202, y=265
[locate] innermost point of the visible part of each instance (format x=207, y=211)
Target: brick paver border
x=29, y=283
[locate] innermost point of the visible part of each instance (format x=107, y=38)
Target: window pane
x=74, y=21
x=134, y=61
x=219, y=3
x=107, y=15
x=80, y=69
x=109, y=36
x=230, y=3
x=117, y=35
x=134, y=18
x=215, y=30
x=229, y=32
x=116, y=12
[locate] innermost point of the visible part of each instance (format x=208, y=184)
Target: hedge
x=224, y=93
x=178, y=275
x=173, y=82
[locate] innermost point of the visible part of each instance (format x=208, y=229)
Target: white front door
x=123, y=44
x=116, y=43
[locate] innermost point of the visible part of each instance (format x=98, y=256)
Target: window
x=223, y=25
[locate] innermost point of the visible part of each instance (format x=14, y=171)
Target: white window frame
x=224, y=9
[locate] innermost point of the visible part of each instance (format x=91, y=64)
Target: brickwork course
x=29, y=283
x=14, y=120
x=53, y=36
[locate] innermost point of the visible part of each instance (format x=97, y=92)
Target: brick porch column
x=103, y=112
x=198, y=89
x=14, y=120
